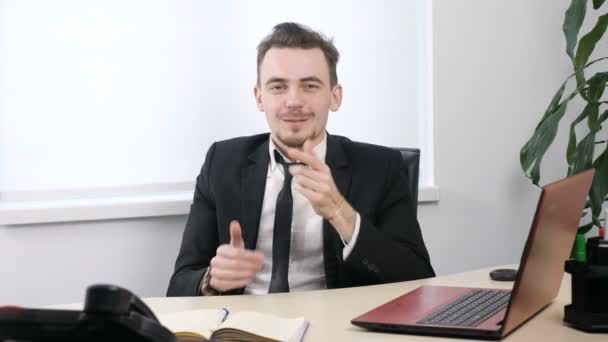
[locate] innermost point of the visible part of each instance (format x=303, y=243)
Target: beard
x=294, y=136
x=293, y=140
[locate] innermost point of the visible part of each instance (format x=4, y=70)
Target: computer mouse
x=503, y=274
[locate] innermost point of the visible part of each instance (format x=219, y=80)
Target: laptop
x=494, y=313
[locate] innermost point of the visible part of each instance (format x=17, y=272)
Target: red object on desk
x=10, y=309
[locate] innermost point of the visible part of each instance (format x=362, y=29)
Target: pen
x=580, y=248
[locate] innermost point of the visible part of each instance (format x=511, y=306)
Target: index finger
x=307, y=147
x=307, y=158
x=232, y=252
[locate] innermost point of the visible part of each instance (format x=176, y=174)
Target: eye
x=277, y=87
x=311, y=86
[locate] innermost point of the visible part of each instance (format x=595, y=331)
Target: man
x=261, y=222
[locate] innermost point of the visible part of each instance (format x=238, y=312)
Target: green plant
x=586, y=152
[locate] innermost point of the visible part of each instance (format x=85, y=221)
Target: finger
x=236, y=239
x=318, y=176
x=227, y=258
x=235, y=275
x=230, y=252
x=312, y=196
x=226, y=285
x=257, y=257
x=228, y=265
x=308, y=159
x=307, y=147
x=313, y=185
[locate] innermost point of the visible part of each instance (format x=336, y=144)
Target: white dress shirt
x=306, y=268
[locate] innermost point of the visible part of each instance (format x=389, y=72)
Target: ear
x=257, y=93
x=336, y=98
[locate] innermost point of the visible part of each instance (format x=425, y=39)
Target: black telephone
x=110, y=313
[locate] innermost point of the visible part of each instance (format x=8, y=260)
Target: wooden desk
x=330, y=311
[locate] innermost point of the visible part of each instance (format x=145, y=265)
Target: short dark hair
x=294, y=35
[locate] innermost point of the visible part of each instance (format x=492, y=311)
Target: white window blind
x=119, y=100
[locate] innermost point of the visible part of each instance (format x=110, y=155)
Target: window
x=116, y=102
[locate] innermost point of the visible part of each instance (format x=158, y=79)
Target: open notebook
x=220, y=325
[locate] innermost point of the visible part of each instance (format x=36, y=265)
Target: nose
x=294, y=100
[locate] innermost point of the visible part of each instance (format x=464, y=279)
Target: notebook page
x=269, y=326
x=201, y=321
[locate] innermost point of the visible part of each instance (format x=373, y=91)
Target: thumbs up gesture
x=233, y=266
x=236, y=237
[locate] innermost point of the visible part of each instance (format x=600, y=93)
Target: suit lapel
x=332, y=244
x=253, y=184
x=338, y=163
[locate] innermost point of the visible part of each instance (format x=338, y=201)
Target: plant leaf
x=581, y=158
x=599, y=187
x=603, y=117
x=531, y=146
x=534, y=150
x=591, y=108
x=596, y=86
x=554, y=103
x=598, y=3
x=585, y=48
x=572, y=24
x=584, y=229
x=587, y=43
x=593, y=122
x=583, y=155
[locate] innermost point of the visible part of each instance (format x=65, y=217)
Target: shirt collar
x=320, y=151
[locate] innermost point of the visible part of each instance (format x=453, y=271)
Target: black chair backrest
x=411, y=165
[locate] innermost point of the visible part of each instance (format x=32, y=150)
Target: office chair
x=411, y=166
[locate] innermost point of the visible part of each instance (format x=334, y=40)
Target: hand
x=316, y=183
x=233, y=266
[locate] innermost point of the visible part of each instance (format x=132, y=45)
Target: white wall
x=496, y=66
x=86, y=70
x=54, y=263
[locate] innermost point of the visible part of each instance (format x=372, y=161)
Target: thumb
x=236, y=240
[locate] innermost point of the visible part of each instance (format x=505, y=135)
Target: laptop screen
x=549, y=244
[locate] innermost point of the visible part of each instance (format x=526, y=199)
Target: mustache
x=295, y=116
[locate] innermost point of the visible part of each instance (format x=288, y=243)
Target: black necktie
x=281, y=235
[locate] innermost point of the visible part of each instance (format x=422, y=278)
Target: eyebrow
x=311, y=79
x=275, y=80
x=284, y=80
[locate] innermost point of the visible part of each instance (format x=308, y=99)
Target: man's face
x=296, y=95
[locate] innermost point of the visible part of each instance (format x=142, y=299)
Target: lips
x=295, y=118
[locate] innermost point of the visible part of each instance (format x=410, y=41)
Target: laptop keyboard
x=469, y=310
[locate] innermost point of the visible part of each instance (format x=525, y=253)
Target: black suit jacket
x=231, y=186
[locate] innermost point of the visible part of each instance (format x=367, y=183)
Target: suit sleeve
x=200, y=238
x=390, y=246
